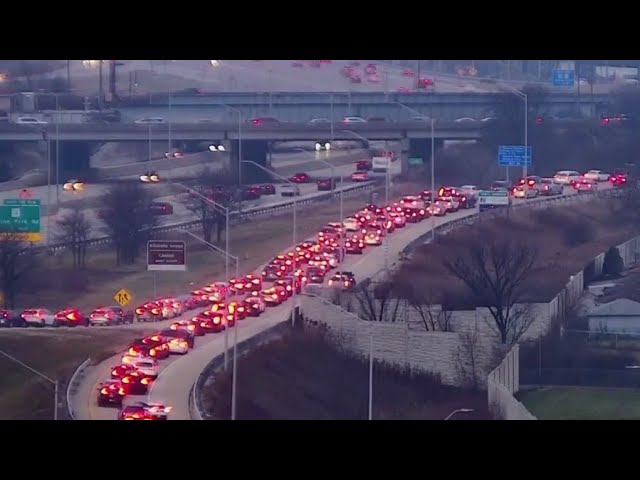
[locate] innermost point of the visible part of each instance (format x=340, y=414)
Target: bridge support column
x=419, y=148
x=255, y=151
x=74, y=161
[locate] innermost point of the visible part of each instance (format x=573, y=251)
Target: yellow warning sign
x=123, y=297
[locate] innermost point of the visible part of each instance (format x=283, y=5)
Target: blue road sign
x=514, y=156
x=563, y=78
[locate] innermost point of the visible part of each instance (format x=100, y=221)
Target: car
x=297, y=64
x=532, y=182
x=160, y=208
x=342, y=280
x=183, y=334
x=289, y=190
x=549, y=187
x=437, y=208
x=121, y=370
x=233, y=310
x=214, y=322
x=73, y=185
x=565, y=177
x=179, y=346
x=290, y=283
x=319, y=261
x=466, y=200
x=149, y=312
x=353, y=120
x=451, y=202
x=425, y=83
x=465, y=120
x=425, y=195
x=407, y=72
x=250, y=192
x=372, y=238
x=150, y=120
x=152, y=411
x=471, y=190
x=500, y=186
x=146, y=366
x=315, y=121
x=189, y=326
x=300, y=177
x=351, y=224
x=272, y=272
x=355, y=78
x=364, y=165
x=11, y=318
x=150, y=177
x=354, y=246
x=325, y=184
x=111, y=392
x=597, y=175
x=31, y=121
x=174, y=152
x=415, y=214
x=70, y=317
x=398, y=219
x=316, y=274
x=273, y=296
x=38, y=317
x=377, y=119
x=263, y=121
x=447, y=191
x=135, y=383
x=360, y=176
x=158, y=350
x=619, y=178
x=524, y=191
x=254, y=305
x=585, y=185
x=110, y=316
x=135, y=412
x=267, y=189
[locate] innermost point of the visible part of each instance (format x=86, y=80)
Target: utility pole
x=69, y=75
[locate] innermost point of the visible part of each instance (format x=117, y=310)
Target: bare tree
x=495, y=272
x=74, y=230
x=17, y=260
x=211, y=185
x=126, y=215
x=434, y=317
x=377, y=303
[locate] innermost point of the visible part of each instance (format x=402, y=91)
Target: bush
x=613, y=263
x=578, y=233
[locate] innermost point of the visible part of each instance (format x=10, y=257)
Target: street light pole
x=371, y=376
x=525, y=98
x=433, y=178
x=169, y=126
x=295, y=202
x=149, y=142
x=57, y=151
x=41, y=375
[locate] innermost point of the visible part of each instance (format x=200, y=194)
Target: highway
x=178, y=375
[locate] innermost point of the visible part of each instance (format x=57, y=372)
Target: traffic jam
x=212, y=308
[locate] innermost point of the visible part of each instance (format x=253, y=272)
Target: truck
x=490, y=199
x=379, y=164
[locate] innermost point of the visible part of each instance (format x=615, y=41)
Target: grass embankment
x=304, y=376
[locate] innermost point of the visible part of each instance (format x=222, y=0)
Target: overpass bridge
x=302, y=106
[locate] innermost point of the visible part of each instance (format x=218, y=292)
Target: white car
x=465, y=120
x=149, y=120
x=420, y=118
x=437, y=208
x=332, y=259
x=31, y=121
x=289, y=190
x=351, y=224
x=451, y=203
x=39, y=317
x=372, y=238
x=315, y=121
x=565, y=177
x=147, y=367
x=597, y=175
x=178, y=345
x=159, y=410
x=523, y=191
x=353, y=120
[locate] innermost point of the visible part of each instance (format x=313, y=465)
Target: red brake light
x=139, y=311
x=104, y=391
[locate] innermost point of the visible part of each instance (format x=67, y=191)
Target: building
x=619, y=316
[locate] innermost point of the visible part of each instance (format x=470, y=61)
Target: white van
x=379, y=164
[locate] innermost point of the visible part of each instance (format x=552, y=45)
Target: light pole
x=525, y=98
x=295, y=203
x=332, y=167
x=433, y=178
x=225, y=252
x=227, y=256
x=45, y=137
x=460, y=410
x=169, y=126
x=371, y=376
x=41, y=375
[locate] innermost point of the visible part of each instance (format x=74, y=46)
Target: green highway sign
x=21, y=217
x=491, y=193
x=415, y=161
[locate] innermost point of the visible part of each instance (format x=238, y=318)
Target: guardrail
x=250, y=213
x=73, y=385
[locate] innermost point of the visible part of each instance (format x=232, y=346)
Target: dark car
x=267, y=189
x=210, y=323
x=11, y=318
x=250, y=193
x=326, y=184
x=70, y=317
x=135, y=383
x=109, y=316
x=189, y=337
x=466, y=201
x=263, y=121
x=155, y=349
x=160, y=208
x=364, y=165
x=111, y=392
x=501, y=186
x=316, y=274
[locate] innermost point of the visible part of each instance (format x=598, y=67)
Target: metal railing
x=74, y=381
